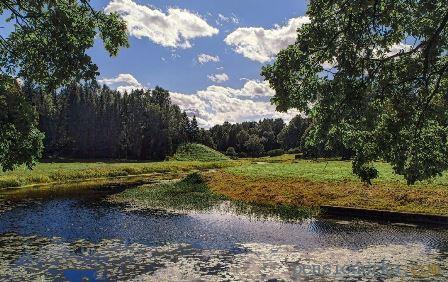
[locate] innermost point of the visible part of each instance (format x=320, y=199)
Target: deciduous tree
x=48, y=46
x=374, y=75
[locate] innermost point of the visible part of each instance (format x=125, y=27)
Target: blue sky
x=167, y=38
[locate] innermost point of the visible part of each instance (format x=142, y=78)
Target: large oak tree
x=372, y=74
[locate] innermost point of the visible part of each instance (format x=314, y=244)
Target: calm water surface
x=74, y=237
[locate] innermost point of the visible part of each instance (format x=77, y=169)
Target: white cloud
x=261, y=45
x=219, y=78
x=393, y=50
x=175, y=56
x=223, y=18
x=231, y=19
x=253, y=88
x=172, y=29
x=218, y=104
x=205, y=58
x=124, y=82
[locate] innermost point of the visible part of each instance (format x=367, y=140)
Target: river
x=75, y=236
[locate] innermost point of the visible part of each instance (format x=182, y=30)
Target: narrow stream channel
x=78, y=236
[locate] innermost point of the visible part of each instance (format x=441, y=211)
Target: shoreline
x=275, y=182
x=326, y=211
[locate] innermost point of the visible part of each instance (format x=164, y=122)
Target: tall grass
x=313, y=184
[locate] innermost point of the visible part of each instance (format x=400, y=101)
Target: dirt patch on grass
x=385, y=196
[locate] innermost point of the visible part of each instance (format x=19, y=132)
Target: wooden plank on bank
x=385, y=216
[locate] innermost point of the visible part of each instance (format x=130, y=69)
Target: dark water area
x=74, y=236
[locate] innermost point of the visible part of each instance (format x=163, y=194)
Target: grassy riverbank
x=315, y=183
x=190, y=193
x=45, y=173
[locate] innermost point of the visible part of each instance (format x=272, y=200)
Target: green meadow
x=319, y=170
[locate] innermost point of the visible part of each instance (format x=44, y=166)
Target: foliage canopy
x=49, y=40
x=372, y=74
x=45, y=43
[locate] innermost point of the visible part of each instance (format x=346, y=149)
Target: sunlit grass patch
x=318, y=171
x=285, y=158
x=198, y=152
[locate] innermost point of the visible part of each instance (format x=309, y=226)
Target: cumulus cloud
x=205, y=58
x=261, y=45
x=172, y=29
x=124, y=82
x=218, y=104
x=219, y=77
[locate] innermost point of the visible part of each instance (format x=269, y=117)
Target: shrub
x=230, y=152
x=193, y=178
x=254, y=146
x=242, y=155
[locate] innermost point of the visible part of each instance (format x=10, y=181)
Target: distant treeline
x=253, y=139
x=89, y=121
x=272, y=137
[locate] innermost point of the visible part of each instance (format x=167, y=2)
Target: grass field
x=321, y=171
x=64, y=172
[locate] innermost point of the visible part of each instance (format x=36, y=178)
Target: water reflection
x=66, y=238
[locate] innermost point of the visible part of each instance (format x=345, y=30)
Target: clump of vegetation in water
x=198, y=152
